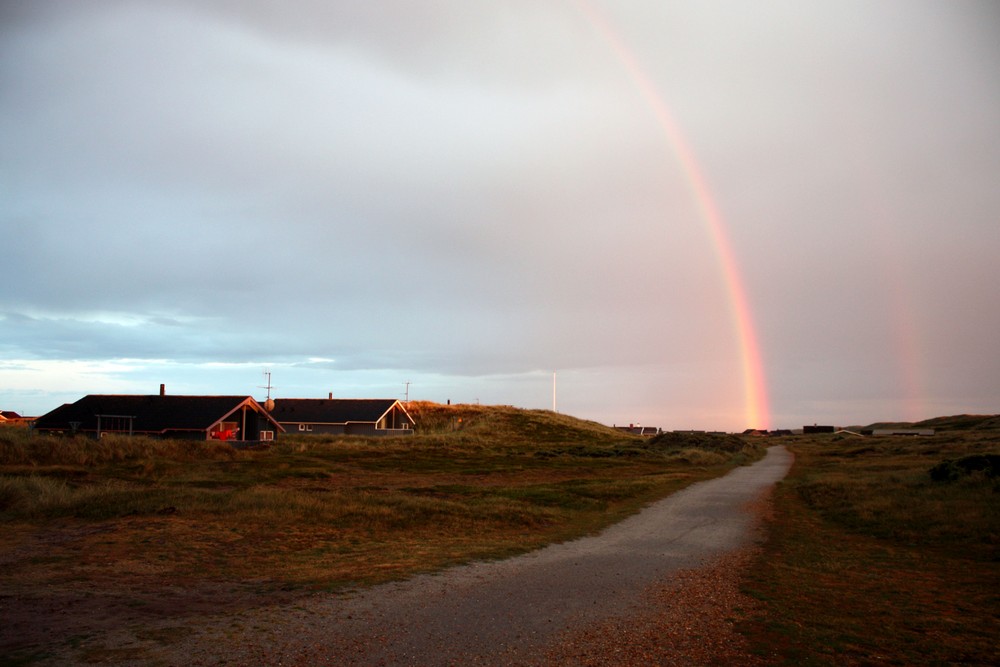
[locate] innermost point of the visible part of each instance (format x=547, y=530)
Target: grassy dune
x=322, y=512
x=870, y=560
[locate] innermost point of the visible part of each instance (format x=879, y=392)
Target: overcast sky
x=470, y=196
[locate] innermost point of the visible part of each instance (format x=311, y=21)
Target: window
x=225, y=431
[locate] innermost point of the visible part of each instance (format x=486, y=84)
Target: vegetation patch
x=721, y=442
x=986, y=465
x=863, y=537
x=134, y=518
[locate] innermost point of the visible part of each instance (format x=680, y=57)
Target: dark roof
x=331, y=410
x=9, y=414
x=58, y=418
x=638, y=430
x=153, y=414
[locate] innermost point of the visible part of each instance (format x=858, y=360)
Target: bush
x=697, y=457
x=32, y=495
x=950, y=470
x=707, y=441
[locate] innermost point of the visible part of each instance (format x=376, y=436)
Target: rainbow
x=757, y=410
x=905, y=332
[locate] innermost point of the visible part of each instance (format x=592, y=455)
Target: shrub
x=33, y=495
x=707, y=441
x=697, y=457
x=950, y=470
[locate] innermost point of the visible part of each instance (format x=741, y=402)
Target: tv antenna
x=267, y=376
x=407, y=385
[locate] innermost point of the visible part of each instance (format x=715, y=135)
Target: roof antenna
x=267, y=376
x=268, y=403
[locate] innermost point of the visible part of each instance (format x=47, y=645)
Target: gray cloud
x=478, y=194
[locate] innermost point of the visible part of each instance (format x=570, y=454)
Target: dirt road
x=510, y=612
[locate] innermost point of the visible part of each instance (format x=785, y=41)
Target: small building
x=900, y=431
x=11, y=418
x=228, y=418
x=343, y=416
x=635, y=429
x=816, y=428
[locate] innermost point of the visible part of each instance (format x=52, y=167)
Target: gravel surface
x=657, y=588
x=686, y=619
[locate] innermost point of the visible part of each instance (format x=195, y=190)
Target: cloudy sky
x=696, y=214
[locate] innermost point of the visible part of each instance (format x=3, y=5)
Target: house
x=817, y=428
x=231, y=418
x=900, y=431
x=343, y=416
x=11, y=418
x=635, y=429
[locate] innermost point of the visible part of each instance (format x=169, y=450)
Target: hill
x=516, y=425
x=950, y=423
x=545, y=434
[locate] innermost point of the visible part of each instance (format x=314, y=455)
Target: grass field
x=870, y=560
x=320, y=512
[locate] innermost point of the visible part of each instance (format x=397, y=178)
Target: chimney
x=331, y=395
x=163, y=390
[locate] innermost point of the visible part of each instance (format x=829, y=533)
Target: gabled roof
x=9, y=414
x=58, y=418
x=152, y=414
x=333, y=410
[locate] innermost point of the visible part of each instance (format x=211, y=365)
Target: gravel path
x=523, y=611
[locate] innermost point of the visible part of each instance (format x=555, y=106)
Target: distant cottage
x=343, y=416
x=635, y=429
x=11, y=418
x=900, y=431
x=231, y=418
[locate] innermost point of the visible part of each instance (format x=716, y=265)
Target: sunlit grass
x=322, y=511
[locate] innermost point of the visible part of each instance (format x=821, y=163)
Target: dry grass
x=324, y=512
x=97, y=534
x=863, y=538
